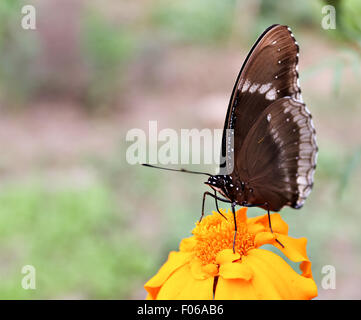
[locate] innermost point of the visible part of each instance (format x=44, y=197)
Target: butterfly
x=269, y=149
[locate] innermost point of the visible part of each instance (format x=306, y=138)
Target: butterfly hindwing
x=278, y=156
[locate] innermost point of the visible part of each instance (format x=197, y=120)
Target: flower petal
x=293, y=248
x=235, y=270
x=274, y=279
x=226, y=256
x=182, y=286
x=200, y=271
x=261, y=223
x=211, y=269
x=175, y=261
x=262, y=238
x=234, y=289
x=305, y=267
x=241, y=215
x=187, y=244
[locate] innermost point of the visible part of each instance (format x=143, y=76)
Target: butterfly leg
x=268, y=213
x=215, y=197
x=270, y=225
x=235, y=225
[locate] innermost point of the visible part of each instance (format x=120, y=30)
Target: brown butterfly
x=269, y=149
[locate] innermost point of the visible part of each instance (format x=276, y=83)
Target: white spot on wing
x=246, y=85
x=271, y=94
x=254, y=87
x=264, y=88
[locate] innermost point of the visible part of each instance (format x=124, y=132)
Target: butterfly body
x=232, y=188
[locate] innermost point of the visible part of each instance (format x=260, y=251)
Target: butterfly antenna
x=179, y=170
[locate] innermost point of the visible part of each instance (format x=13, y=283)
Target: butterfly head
x=219, y=183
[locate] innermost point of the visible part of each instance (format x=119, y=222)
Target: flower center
x=214, y=234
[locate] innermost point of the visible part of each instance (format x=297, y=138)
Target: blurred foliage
x=350, y=19
x=306, y=15
x=348, y=23
x=107, y=49
x=17, y=53
x=337, y=64
x=350, y=168
x=194, y=21
x=109, y=46
x=77, y=243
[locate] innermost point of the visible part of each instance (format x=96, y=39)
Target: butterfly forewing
x=274, y=147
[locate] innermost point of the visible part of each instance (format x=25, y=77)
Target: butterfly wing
x=278, y=157
x=268, y=73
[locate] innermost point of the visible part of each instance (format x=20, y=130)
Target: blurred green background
x=94, y=226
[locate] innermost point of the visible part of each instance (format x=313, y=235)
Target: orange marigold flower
x=205, y=267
